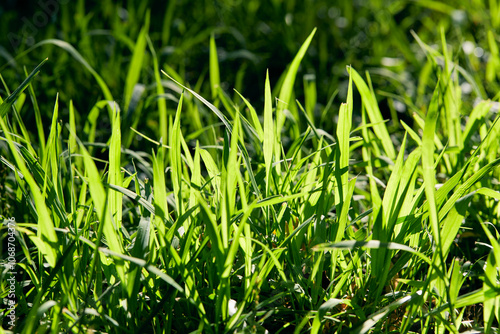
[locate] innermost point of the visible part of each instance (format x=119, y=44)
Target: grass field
x=250, y=167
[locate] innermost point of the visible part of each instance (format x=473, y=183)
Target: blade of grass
x=373, y=111
x=114, y=173
x=99, y=195
x=9, y=101
x=136, y=64
x=46, y=239
x=214, y=68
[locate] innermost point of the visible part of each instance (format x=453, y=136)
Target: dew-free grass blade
x=491, y=286
x=142, y=263
x=100, y=198
x=114, y=173
x=136, y=63
x=253, y=117
x=376, y=317
x=228, y=125
x=287, y=86
x=162, y=104
x=160, y=193
x=428, y=163
x=269, y=139
x=133, y=196
x=285, y=95
x=46, y=239
x=175, y=157
x=9, y=101
x=373, y=111
x=342, y=158
x=214, y=68
x=140, y=251
x=43, y=182
x=323, y=309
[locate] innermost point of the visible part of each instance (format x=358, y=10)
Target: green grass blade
x=38, y=117
x=46, y=239
x=343, y=136
x=214, y=68
x=160, y=194
x=136, y=64
x=175, y=157
x=114, y=174
x=100, y=198
x=373, y=111
x=287, y=87
x=9, y=101
x=162, y=104
x=428, y=164
x=269, y=139
x=253, y=117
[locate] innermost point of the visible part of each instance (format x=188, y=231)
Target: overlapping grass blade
x=374, y=114
x=46, y=239
x=100, y=198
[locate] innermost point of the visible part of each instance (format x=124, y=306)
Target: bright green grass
x=260, y=220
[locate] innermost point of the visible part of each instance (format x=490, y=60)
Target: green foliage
x=247, y=212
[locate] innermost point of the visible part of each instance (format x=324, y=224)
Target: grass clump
x=236, y=216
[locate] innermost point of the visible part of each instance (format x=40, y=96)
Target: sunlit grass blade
x=428, y=164
x=162, y=104
x=285, y=95
x=160, y=194
x=342, y=157
x=38, y=117
x=136, y=64
x=228, y=125
x=287, y=87
x=72, y=127
x=491, y=285
x=253, y=117
x=9, y=101
x=99, y=195
x=175, y=157
x=46, y=239
x=214, y=68
x=114, y=173
x=269, y=135
x=373, y=111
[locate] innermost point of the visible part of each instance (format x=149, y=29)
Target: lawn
x=250, y=166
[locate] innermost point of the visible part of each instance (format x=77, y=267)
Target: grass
x=183, y=207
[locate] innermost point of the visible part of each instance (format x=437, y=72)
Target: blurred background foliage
x=251, y=36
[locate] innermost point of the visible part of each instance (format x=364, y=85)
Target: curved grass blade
x=287, y=87
x=78, y=57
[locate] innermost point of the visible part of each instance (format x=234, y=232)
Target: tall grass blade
x=115, y=174
x=214, y=68
x=374, y=114
x=100, y=198
x=9, y=101
x=136, y=63
x=46, y=239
